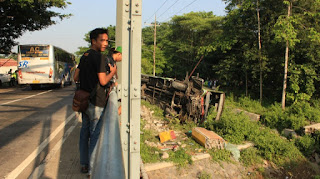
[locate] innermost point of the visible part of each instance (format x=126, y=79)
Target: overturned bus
x=186, y=100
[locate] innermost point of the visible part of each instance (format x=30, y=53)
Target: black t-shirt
x=91, y=63
x=111, y=61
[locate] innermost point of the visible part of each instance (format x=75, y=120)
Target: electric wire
x=156, y=11
x=181, y=10
x=168, y=8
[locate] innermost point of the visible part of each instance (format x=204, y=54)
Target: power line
x=168, y=8
x=183, y=8
x=186, y=6
x=156, y=11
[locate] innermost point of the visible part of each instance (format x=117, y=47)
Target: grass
x=149, y=154
x=204, y=175
x=220, y=155
x=250, y=157
x=158, y=112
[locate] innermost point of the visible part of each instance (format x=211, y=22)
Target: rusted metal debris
x=186, y=100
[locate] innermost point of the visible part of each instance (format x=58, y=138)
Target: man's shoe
x=84, y=169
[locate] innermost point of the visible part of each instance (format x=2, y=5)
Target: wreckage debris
x=185, y=100
x=208, y=139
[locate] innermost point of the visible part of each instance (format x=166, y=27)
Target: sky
x=69, y=34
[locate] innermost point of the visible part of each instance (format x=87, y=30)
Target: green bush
x=180, y=157
x=294, y=117
x=204, y=175
x=306, y=144
x=220, y=155
x=245, y=103
x=237, y=128
x=250, y=157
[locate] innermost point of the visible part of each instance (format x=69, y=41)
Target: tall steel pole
x=154, y=45
x=128, y=35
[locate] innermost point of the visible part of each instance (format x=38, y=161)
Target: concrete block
x=311, y=128
x=245, y=146
x=252, y=116
x=208, y=139
x=289, y=133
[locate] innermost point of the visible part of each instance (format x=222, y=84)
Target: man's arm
x=105, y=78
x=76, y=75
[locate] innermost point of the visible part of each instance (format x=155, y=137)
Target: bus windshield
x=34, y=51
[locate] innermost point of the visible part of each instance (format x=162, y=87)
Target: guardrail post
x=128, y=35
x=108, y=163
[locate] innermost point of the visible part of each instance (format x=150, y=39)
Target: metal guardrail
x=108, y=160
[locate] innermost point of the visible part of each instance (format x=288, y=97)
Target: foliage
x=245, y=103
x=306, y=145
x=302, y=80
x=294, y=117
x=180, y=157
x=111, y=33
x=204, y=175
x=250, y=157
x=220, y=155
x=237, y=128
x=19, y=16
x=229, y=45
x=148, y=153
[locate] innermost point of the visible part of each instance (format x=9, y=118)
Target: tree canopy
x=19, y=16
x=231, y=48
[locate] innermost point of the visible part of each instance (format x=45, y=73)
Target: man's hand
x=113, y=69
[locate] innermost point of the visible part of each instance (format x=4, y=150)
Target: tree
x=111, y=32
x=189, y=37
x=300, y=29
x=19, y=16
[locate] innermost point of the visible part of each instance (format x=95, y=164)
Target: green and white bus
x=44, y=64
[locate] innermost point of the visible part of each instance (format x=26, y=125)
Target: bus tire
x=179, y=86
x=35, y=87
x=0, y=83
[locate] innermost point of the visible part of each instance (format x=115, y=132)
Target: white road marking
x=16, y=172
x=37, y=172
x=25, y=98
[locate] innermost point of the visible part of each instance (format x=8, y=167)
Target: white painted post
x=128, y=35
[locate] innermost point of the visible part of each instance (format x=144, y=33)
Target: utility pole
x=154, y=44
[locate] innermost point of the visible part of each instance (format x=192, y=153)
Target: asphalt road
x=32, y=122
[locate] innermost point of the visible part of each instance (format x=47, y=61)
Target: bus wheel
x=0, y=83
x=35, y=87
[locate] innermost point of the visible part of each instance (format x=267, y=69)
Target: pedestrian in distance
x=91, y=72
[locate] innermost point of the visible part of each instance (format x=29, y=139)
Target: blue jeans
x=90, y=131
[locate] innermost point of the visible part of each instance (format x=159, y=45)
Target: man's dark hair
x=113, y=51
x=96, y=32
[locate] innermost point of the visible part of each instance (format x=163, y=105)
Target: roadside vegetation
x=269, y=146
x=244, y=53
